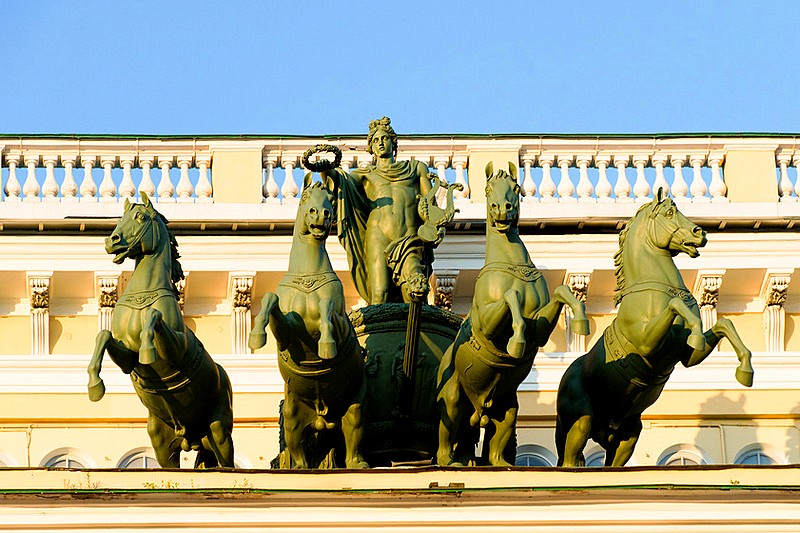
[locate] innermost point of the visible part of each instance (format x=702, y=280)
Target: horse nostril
x=326, y=213
x=698, y=230
x=115, y=237
x=508, y=206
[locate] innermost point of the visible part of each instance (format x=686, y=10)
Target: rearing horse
x=319, y=355
x=187, y=394
x=604, y=392
x=512, y=315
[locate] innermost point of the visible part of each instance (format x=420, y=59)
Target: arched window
x=139, y=458
x=68, y=458
x=758, y=454
x=682, y=455
x=6, y=459
x=596, y=459
x=534, y=455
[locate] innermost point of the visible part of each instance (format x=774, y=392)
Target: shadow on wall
x=733, y=436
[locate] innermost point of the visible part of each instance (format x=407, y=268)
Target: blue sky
x=295, y=67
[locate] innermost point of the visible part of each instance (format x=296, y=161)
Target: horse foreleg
x=725, y=328
x=269, y=313
x=656, y=329
x=96, y=387
x=327, y=342
x=579, y=323
x=158, y=338
x=516, y=344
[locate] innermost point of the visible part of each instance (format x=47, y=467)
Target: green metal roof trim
x=100, y=136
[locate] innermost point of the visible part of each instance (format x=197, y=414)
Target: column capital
x=445, y=287
x=107, y=288
x=88, y=159
x=578, y=283
x=697, y=159
x=602, y=159
x=32, y=159
x=39, y=289
x=660, y=159
x=785, y=156
x=706, y=287
x=460, y=160
x=165, y=160
x=146, y=159
x=240, y=287
x=775, y=286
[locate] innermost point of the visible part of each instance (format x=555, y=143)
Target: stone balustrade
x=580, y=170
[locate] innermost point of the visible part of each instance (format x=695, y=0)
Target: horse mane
x=176, y=272
x=619, y=273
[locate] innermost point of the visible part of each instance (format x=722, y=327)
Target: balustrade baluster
x=718, y=189
x=50, y=186
x=185, y=189
x=659, y=161
x=528, y=185
x=796, y=161
x=12, y=188
x=680, y=189
x=461, y=196
x=31, y=187
x=440, y=162
x=585, y=188
x=204, y=189
x=698, y=187
x=289, y=188
x=270, y=189
x=547, y=189
x=622, y=189
x=166, y=190
x=641, y=188
x=785, y=186
x=603, y=188
x=69, y=188
x=146, y=185
x=127, y=189
x=88, y=187
x=108, y=191
x=566, y=190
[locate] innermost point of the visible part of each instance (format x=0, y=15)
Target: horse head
x=668, y=229
x=316, y=211
x=502, y=198
x=139, y=232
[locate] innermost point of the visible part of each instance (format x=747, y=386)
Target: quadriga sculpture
x=319, y=356
x=187, y=394
x=603, y=393
x=511, y=317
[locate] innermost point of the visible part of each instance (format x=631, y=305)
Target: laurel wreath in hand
x=323, y=164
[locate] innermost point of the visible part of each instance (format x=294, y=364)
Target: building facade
x=232, y=201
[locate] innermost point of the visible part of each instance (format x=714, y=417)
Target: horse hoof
x=256, y=340
x=696, y=341
x=147, y=355
x=516, y=348
x=579, y=326
x=97, y=391
x=327, y=349
x=357, y=464
x=745, y=377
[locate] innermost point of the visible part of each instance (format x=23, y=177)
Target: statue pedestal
x=402, y=418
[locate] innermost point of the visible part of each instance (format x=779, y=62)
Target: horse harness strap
x=523, y=272
x=308, y=283
x=675, y=292
x=628, y=362
x=143, y=299
x=500, y=360
x=175, y=381
x=319, y=367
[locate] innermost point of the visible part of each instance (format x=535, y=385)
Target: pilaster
x=39, y=296
x=773, y=291
x=240, y=286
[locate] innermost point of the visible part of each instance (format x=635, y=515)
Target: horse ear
x=307, y=179
x=127, y=205
x=659, y=195
x=489, y=169
x=145, y=199
x=512, y=169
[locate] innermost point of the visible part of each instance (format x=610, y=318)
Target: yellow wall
x=18, y=339
x=72, y=334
